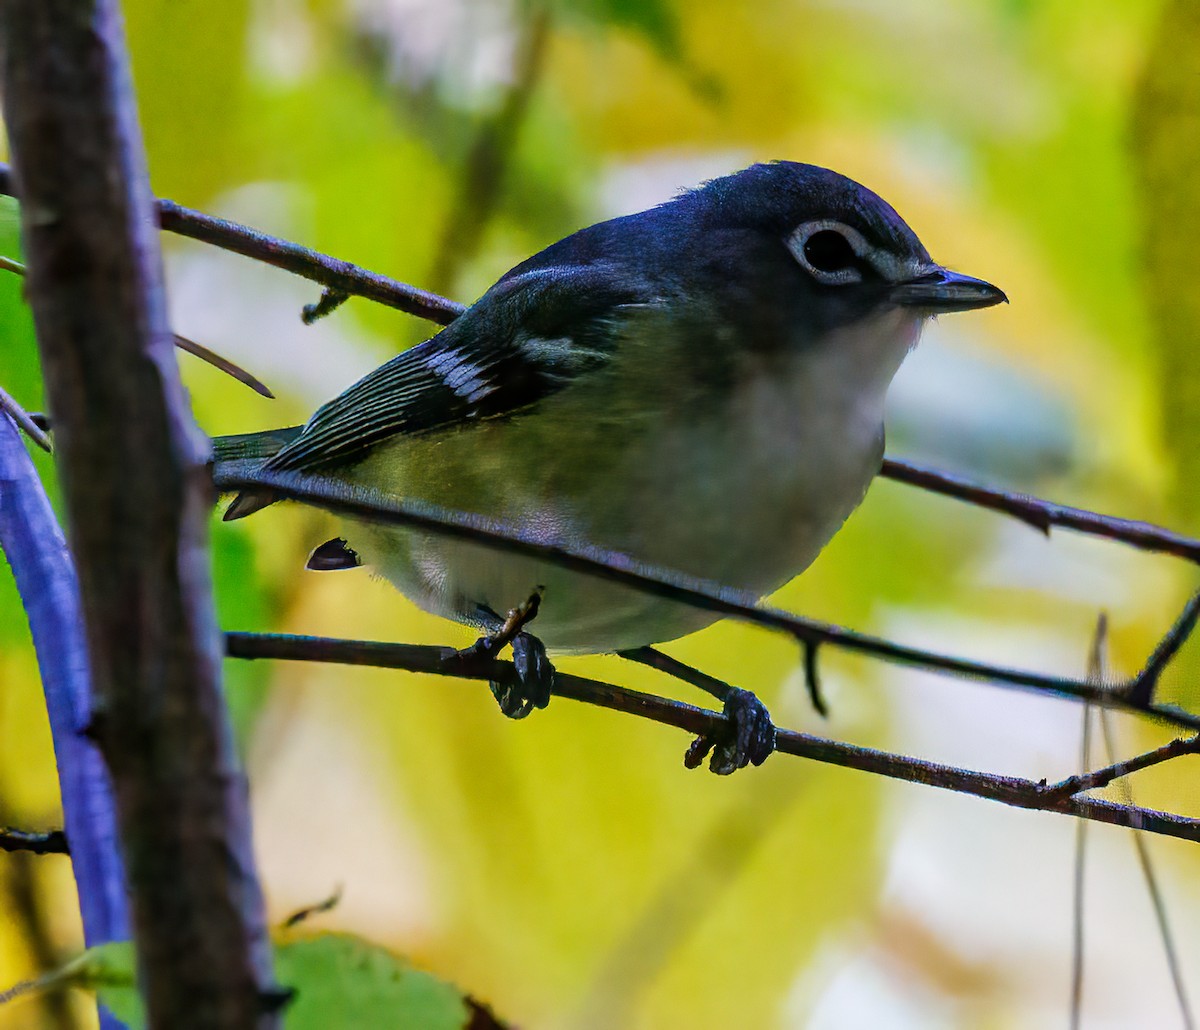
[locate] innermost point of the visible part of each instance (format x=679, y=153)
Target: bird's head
x=855, y=252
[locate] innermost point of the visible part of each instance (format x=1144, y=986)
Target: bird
x=699, y=386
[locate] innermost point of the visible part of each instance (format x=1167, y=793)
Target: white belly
x=745, y=497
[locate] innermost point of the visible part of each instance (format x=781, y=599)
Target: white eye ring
x=797, y=241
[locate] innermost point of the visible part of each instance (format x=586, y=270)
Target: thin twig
x=1141, y=690
x=27, y=918
x=360, y=282
x=183, y=343
x=1096, y=673
x=49, y=842
x=343, y=276
x=1043, y=515
x=422, y=658
x=812, y=680
x=329, y=301
x=308, y=911
x=224, y=365
x=24, y=421
x=346, y=499
x=1125, y=790
x=1077, y=892
x=1077, y=784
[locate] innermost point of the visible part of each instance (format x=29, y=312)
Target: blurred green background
x=567, y=869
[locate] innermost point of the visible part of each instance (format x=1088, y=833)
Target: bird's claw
x=531, y=686
x=746, y=738
x=533, y=680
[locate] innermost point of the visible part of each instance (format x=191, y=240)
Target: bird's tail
x=236, y=456
x=253, y=445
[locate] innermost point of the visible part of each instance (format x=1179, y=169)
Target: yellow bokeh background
x=567, y=870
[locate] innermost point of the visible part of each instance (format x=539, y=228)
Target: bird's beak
x=938, y=290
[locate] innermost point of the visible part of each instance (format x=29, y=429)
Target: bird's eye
x=829, y=251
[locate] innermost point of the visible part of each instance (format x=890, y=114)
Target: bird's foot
x=531, y=685
x=747, y=738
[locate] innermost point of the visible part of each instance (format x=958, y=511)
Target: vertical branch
x=1153, y=890
x=37, y=553
x=1097, y=674
x=137, y=500
x=33, y=543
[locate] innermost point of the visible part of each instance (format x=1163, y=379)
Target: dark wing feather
x=528, y=337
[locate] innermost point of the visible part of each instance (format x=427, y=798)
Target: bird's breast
x=742, y=486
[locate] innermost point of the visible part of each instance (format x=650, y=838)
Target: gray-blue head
x=850, y=243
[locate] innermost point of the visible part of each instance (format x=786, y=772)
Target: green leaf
x=111, y=971
x=343, y=982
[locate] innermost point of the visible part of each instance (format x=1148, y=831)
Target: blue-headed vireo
x=699, y=386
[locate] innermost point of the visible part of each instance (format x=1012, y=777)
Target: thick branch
x=33, y=544
x=345, y=499
x=137, y=498
x=445, y=661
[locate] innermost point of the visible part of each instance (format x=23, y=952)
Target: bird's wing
x=528, y=337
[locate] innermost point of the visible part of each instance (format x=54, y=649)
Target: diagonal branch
x=1153, y=888
x=354, y=280
x=1044, y=515
x=182, y=342
x=351, y=279
x=348, y=500
x=1077, y=784
x=445, y=661
x=25, y=421
x=1141, y=689
x=343, y=276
